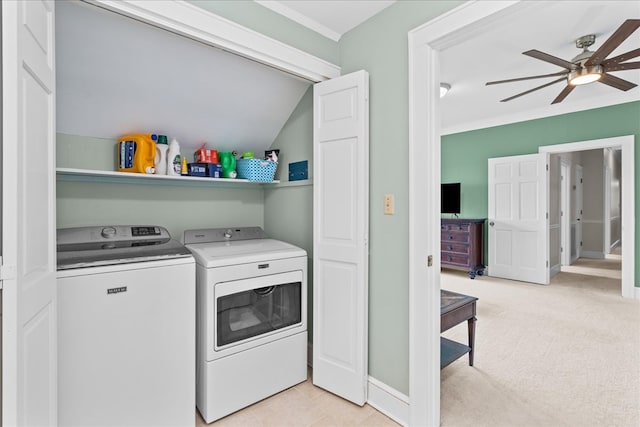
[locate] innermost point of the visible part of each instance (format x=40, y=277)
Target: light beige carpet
x=566, y=354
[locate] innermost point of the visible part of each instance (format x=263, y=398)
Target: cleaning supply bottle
x=174, y=164
x=161, y=155
x=184, y=171
x=136, y=152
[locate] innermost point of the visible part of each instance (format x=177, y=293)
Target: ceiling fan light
x=585, y=75
x=444, y=88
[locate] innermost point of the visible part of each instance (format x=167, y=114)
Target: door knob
x=492, y=223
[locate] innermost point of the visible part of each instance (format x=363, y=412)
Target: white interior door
x=28, y=214
x=340, y=234
x=565, y=213
x=607, y=211
x=518, y=218
x=578, y=214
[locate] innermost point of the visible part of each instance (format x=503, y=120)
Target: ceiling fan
x=588, y=66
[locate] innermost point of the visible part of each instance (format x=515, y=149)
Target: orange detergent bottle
x=137, y=152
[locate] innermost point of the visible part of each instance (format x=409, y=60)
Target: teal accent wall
x=380, y=46
x=464, y=155
x=265, y=21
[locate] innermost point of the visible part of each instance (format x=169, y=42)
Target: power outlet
x=389, y=204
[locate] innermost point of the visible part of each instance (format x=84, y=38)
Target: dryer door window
x=259, y=311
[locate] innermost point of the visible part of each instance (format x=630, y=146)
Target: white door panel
x=341, y=203
x=28, y=216
x=518, y=229
x=578, y=213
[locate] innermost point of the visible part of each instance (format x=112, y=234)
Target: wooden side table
x=454, y=309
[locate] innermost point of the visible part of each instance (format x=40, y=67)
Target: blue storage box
x=256, y=169
x=208, y=170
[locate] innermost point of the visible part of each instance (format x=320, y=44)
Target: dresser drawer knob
x=450, y=237
x=450, y=247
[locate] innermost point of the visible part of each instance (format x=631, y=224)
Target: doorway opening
x=622, y=146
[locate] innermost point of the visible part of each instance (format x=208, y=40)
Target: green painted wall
x=464, y=155
x=380, y=46
x=174, y=205
x=258, y=18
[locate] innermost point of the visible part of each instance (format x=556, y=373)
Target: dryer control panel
x=228, y=234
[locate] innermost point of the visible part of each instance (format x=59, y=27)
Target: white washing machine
x=126, y=328
x=251, y=317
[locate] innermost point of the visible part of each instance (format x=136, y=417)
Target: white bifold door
x=28, y=215
x=518, y=218
x=340, y=233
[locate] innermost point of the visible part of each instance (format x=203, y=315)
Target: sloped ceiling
x=495, y=53
x=115, y=75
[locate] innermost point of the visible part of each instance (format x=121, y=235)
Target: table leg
x=471, y=324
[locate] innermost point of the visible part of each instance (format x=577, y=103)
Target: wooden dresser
x=462, y=245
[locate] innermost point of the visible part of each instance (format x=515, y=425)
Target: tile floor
x=303, y=405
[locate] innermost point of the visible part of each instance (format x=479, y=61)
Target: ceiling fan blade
x=621, y=67
x=621, y=58
x=561, y=73
x=616, y=82
x=620, y=35
x=532, y=90
x=566, y=91
x=549, y=58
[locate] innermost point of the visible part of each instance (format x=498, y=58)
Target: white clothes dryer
x=126, y=328
x=251, y=317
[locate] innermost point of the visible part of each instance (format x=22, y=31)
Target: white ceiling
x=496, y=54
x=331, y=18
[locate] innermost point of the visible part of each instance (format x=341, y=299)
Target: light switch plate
x=389, y=204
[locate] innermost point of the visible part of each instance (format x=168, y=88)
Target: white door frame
x=565, y=215
x=578, y=212
x=627, y=145
x=425, y=44
x=607, y=209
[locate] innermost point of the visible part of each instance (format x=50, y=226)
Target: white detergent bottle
x=173, y=158
x=160, y=162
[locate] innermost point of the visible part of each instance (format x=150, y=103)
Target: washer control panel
x=110, y=236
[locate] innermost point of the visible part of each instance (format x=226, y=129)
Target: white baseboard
x=636, y=291
x=389, y=401
x=310, y=354
x=555, y=269
x=592, y=254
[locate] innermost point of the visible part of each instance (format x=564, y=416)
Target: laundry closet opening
x=118, y=75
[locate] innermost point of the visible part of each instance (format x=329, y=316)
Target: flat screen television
x=450, y=198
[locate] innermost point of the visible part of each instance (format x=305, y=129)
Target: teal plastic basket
x=256, y=169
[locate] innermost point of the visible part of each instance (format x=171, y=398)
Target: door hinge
x=561, y=250
x=547, y=263
x=580, y=242
x=7, y=272
x=430, y=261
x=547, y=166
x=547, y=215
